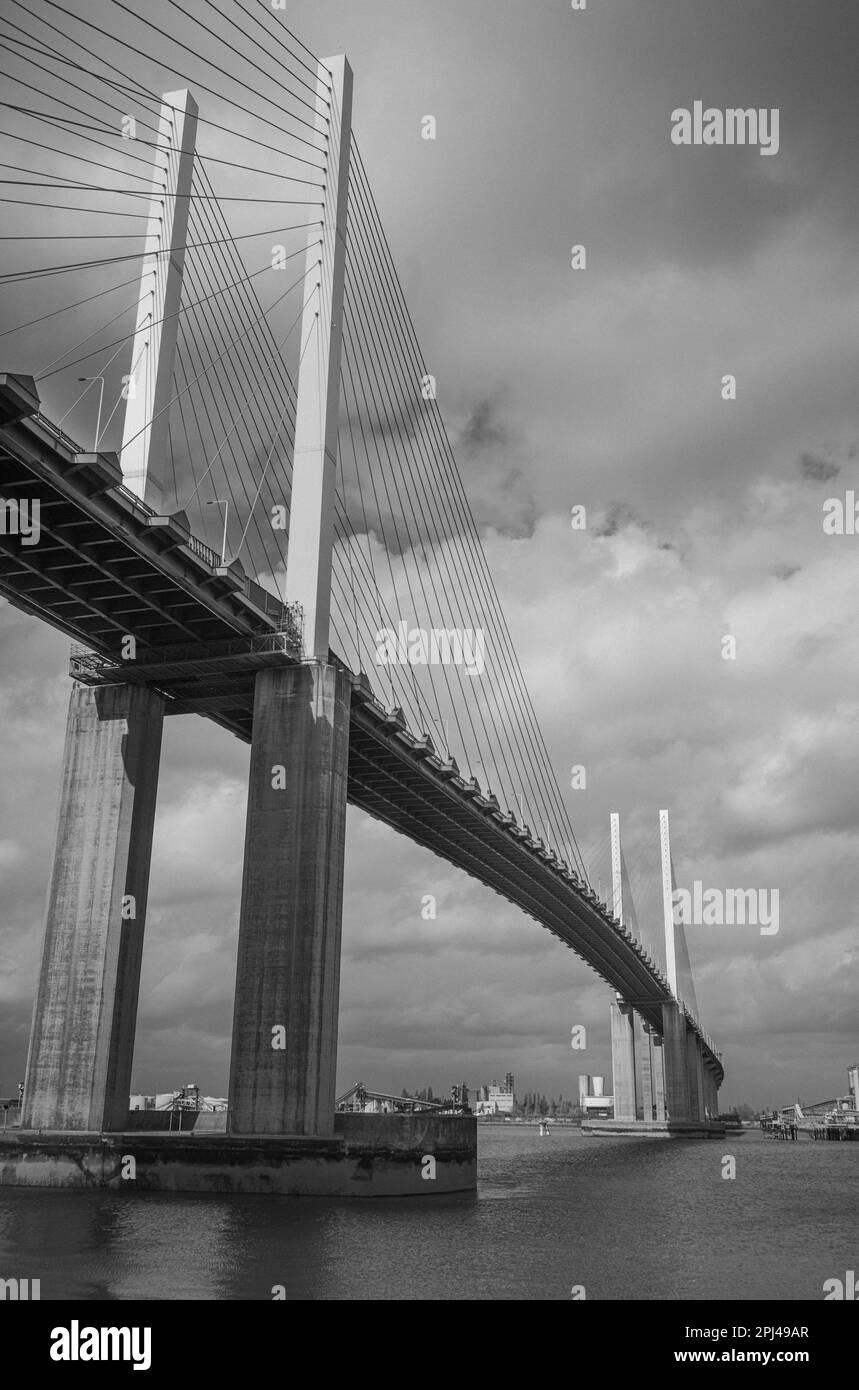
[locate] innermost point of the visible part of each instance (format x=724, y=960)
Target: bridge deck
x=106, y=567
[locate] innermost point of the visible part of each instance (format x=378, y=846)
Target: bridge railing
x=64, y=439
x=205, y=552
x=287, y=617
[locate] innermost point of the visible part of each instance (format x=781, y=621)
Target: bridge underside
x=106, y=567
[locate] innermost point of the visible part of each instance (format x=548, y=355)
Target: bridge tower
x=637, y=1071
x=282, y=1075
x=691, y=1093
x=623, y=1039
x=149, y=384
x=284, y=1052
x=82, y=1040
x=659, y=1076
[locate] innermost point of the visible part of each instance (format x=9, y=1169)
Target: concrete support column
x=702, y=1084
x=643, y=1048
x=282, y=1073
x=711, y=1092
x=646, y=1072
x=649, y=1047
x=82, y=1042
x=657, y=1071
x=695, y=1071
x=623, y=1060
x=675, y=1061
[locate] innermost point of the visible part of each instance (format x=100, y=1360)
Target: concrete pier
x=645, y=1071
x=652, y=1075
x=675, y=1058
x=711, y=1092
x=671, y=1080
x=695, y=1065
x=82, y=1039
x=653, y=1129
x=282, y=1074
x=365, y=1156
x=657, y=1064
x=623, y=1060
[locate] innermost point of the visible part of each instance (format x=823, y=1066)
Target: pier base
x=655, y=1129
x=366, y=1156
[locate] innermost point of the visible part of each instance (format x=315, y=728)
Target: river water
x=624, y=1218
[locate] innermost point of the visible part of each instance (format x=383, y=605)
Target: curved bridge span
x=108, y=566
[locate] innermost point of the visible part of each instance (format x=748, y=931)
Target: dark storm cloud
x=816, y=469
x=619, y=515
x=483, y=428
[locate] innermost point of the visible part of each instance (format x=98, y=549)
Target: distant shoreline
x=532, y=1123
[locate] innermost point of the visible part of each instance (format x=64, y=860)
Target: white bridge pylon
x=678, y=966
x=658, y=1076
x=622, y=901
x=149, y=383
x=314, y=478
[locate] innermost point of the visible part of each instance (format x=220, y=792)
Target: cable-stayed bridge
x=264, y=524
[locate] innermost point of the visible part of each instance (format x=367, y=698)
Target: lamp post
x=100, y=401
x=220, y=502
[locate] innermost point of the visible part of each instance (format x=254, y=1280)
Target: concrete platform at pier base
x=656, y=1129
x=369, y=1156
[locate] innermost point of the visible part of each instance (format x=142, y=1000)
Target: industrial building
x=594, y=1104
x=495, y=1099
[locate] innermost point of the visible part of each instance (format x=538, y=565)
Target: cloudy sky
x=560, y=388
